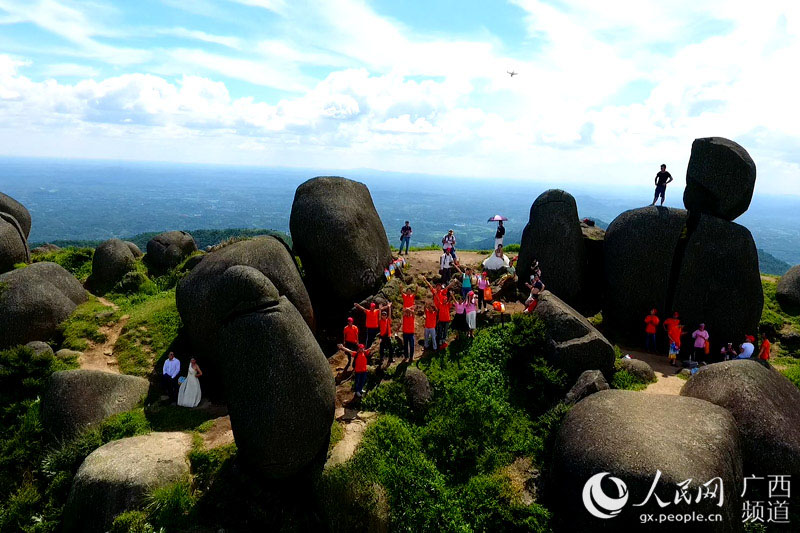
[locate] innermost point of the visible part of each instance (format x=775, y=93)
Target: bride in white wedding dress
x=189, y=393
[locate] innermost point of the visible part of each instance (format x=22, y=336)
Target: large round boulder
x=576, y=345
x=719, y=283
x=167, y=250
x=612, y=446
x=13, y=245
x=40, y=348
x=137, y=253
x=788, y=290
x=118, y=476
x=74, y=400
x=112, y=260
x=279, y=387
x=766, y=407
x=34, y=300
x=18, y=211
x=341, y=241
x=201, y=314
x=553, y=237
x=640, y=247
x=418, y=389
x=720, y=178
x=638, y=369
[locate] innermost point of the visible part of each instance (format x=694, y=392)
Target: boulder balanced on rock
x=631, y=436
x=75, y=400
x=279, y=388
x=34, y=300
x=340, y=239
x=553, y=237
x=111, y=261
x=167, y=250
x=720, y=178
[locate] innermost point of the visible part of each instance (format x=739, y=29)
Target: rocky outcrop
x=341, y=241
x=34, y=300
x=74, y=400
x=788, y=290
x=640, y=249
x=111, y=261
x=137, y=253
x=40, y=347
x=167, y=250
x=576, y=346
x=279, y=387
x=13, y=245
x=553, y=237
x=589, y=382
x=631, y=436
x=719, y=282
x=766, y=408
x=18, y=211
x=593, y=286
x=118, y=476
x=720, y=178
x=638, y=369
x=197, y=304
x=418, y=389
x=45, y=249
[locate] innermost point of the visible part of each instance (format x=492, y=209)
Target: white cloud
x=230, y=42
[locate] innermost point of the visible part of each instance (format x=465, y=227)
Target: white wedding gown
x=189, y=393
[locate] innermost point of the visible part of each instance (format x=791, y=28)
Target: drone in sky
x=511, y=73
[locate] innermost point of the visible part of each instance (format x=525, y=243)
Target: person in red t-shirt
x=763, y=353
x=385, y=325
x=373, y=317
x=409, y=297
x=360, y=367
x=444, y=307
x=674, y=330
x=409, y=328
x=350, y=339
x=431, y=315
x=651, y=322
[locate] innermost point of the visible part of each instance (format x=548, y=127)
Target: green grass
x=78, y=261
x=153, y=326
x=623, y=379
x=83, y=325
x=337, y=434
x=175, y=418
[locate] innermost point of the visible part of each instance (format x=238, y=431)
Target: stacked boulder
x=15, y=226
x=341, y=242
x=167, y=250
x=34, y=300
x=696, y=262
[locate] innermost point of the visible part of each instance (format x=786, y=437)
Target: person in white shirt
x=169, y=376
x=747, y=348
x=445, y=267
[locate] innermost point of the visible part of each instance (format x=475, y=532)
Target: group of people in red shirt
x=700, y=341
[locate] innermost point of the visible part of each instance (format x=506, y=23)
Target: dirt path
x=100, y=356
x=220, y=433
x=353, y=432
x=668, y=380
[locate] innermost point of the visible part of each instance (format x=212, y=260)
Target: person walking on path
x=471, y=311
x=651, y=322
x=385, y=326
x=449, y=244
x=700, y=337
x=763, y=353
x=498, y=235
x=360, y=367
x=662, y=179
x=350, y=340
x=409, y=328
x=373, y=316
x=405, y=237
x=169, y=376
x=483, y=284
x=674, y=331
x=446, y=266
x=431, y=315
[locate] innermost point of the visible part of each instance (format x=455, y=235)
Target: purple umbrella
x=497, y=218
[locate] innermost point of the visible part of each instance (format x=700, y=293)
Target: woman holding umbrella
x=501, y=231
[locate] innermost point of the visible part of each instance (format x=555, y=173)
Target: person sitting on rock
x=373, y=316
x=386, y=333
x=405, y=237
x=747, y=348
x=536, y=286
x=662, y=179
x=763, y=353
x=651, y=322
x=169, y=376
x=350, y=339
x=449, y=244
x=360, y=367
x=674, y=331
x=431, y=315
x=700, y=336
x=728, y=352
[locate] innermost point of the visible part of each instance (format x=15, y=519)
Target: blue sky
x=606, y=91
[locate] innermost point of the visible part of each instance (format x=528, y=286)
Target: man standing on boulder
x=405, y=237
x=662, y=179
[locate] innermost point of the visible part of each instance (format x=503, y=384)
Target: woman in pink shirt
x=460, y=319
x=471, y=311
x=700, y=337
x=483, y=282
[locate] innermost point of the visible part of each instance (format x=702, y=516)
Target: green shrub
x=153, y=326
x=511, y=248
x=390, y=398
x=337, y=434
x=489, y=503
x=792, y=373
x=623, y=379
x=170, y=506
x=132, y=522
x=207, y=464
x=78, y=261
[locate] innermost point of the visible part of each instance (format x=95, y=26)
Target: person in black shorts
x=662, y=179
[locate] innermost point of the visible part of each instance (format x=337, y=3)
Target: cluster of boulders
x=732, y=419
x=695, y=261
x=15, y=226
